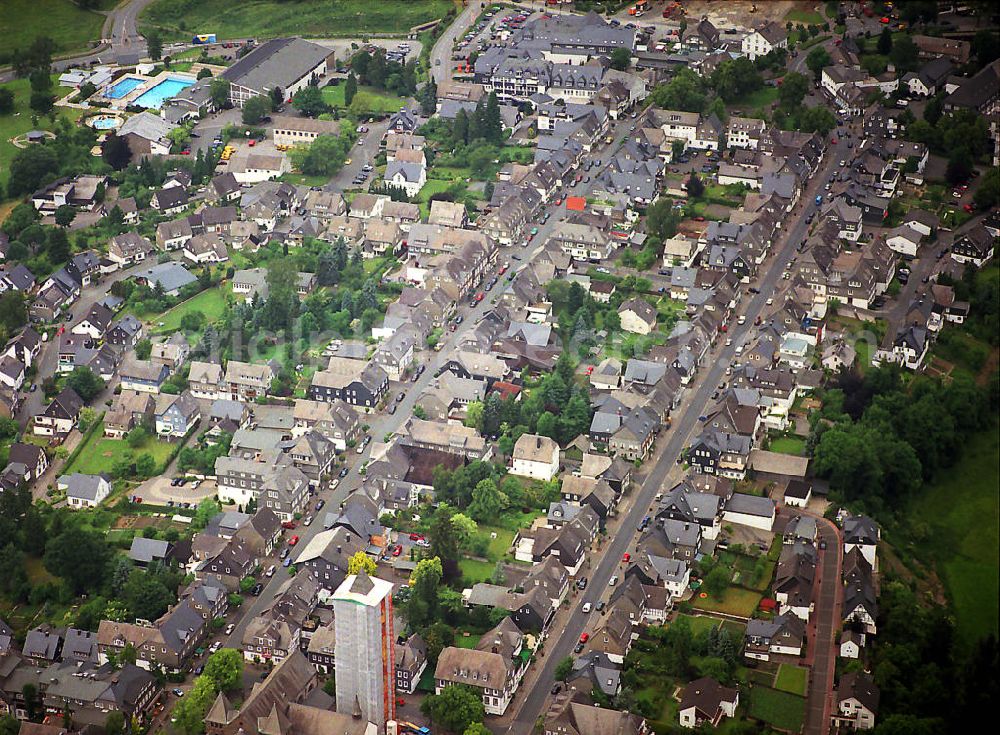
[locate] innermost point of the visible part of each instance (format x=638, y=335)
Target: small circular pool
x=105, y=122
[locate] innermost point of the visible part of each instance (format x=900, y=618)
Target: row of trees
x=375, y=70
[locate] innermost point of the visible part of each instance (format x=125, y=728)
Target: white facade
x=536, y=457
x=365, y=645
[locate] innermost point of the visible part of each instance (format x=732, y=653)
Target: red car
x=288, y=524
x=503, y=269
x=416, y=537
x=480, y=296
x=968, y=208
x=833, y=141
x=584, y=637
x=625, y=557
x=590, y=370
x=558, y=201
x=293, y=540
x=699, y=218
x=884, y=19
x=397, y=550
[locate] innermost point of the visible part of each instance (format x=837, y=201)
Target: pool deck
x=148, y=83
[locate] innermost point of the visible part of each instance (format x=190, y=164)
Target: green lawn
x=14, y=125
x=804, y=17
x=210, y=302
x=792, y=679
x=368, y=99
x=270, y=18
x=699, y=623
x=960, y=510
x=466, y=641
x=759, y=98
x=68, y=25
x=788, y=445
x=779, y=709
x=734, y=601
x=100, y=453
x=476, y=571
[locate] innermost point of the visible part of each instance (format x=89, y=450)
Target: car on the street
x=581, y=583
x=308, y=521
x=215, y=647
x=613, y=581
x=344, y=471
x=230, y=628
x=397, y=550
x=270, y=571
x=600, y=606
x=293, y=540
x=178, y=692
x=586, y=607
x=319, y=504
x=584, y=637
x=256, y=589
x=578, y=648
x=555, y=688
x=289, y=525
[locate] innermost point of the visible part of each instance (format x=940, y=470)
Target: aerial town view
x=454, y=367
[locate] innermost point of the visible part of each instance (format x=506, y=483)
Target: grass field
x=210, y=302
x=804, y=17
x=100, y=453
x=792, y=679
x=307, y=18
x=960, y=509
x=368, y=99
x=788, y=445
x=474, y=570
x=14, y=125
x=734, y=601
x=68, y=25
x=779, y=709
x=699, y=623
x=467, y=641
x=759, y=98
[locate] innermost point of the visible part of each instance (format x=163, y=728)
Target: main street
x=384, y=423
x=685, y=423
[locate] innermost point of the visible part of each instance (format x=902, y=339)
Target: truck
x=639, y=8
x=671, y=9
x=202, y=38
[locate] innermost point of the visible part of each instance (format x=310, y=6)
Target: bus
x=203, y=38
x=640, y=8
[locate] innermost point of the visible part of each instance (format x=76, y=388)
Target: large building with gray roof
x=288, y=64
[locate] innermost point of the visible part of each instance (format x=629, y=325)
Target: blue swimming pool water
x=122, y=87
x=169, y=87
x=105, y=123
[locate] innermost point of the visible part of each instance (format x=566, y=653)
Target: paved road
x=686, y=422
x=440, y=57
x=382, y=424
x=826, y=623
x=48, y=358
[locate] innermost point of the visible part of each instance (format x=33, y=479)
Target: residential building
x=536, y=457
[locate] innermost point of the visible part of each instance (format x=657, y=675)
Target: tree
x=219, y=93
x=487, y=502
x=905, y=55
x=143, y=348
x=309, y=101
x=146, y=595
x=115, y=723
x=717, y=580
x=7, y=105
x=620, y=59
x=884, y=45
x=438, y=636
x=793, y=90
x=695, y=187
x=988, y=193
x=30, y=168
x=455, y=708
x=323, y=157
x=256, y=109
x=661, y=219
x=154, y=43
x=10, y=725
x=564, y=669
x=65, y=214
x=817, y=59
x=79, y=557
x=422, y=608
x=207, y=509
x=350, y=89
x=427, y=96
x=42, y=102
x=116, y=152
x=190, y=712
x=85, y=382
x=361, y=562
x=492, y=127
x=277, y=97
x=225, y=669
x=477, y=728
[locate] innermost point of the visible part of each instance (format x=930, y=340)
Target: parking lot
x=161, y=491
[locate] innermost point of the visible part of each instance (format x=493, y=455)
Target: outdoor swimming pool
x=122, y=87
x=105, y=122
x=155, y=96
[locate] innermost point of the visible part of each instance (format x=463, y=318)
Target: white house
x=851, y=644
x=763, y=40
x=903, y=240
x=857, y=699
x=84, y=491
x=750, y=510
x=706, y=701
x=637, y=316
x=410, y=177
x=536, y=457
